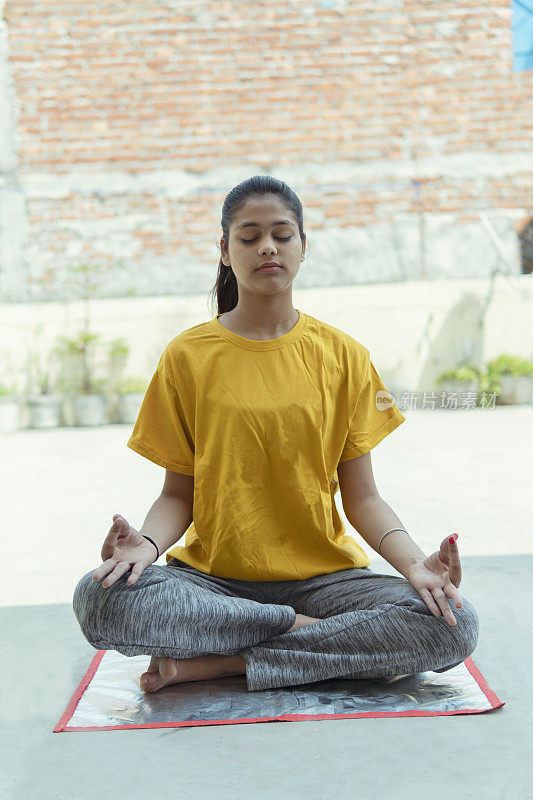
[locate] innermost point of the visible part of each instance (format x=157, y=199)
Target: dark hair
x=225, y=287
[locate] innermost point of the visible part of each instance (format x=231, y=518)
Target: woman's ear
x=224, y=250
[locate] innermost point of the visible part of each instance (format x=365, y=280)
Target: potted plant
x=9, y=408
x=461, y=379
x=131, y=393
x=78, y=378
x=515, y=375
x=490, y=383
x=44, y=404
x=117, y=357
x=79, y=354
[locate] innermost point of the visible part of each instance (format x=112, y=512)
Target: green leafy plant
x=468, y=372
x=132, y=385
x=490, y=379
x=6, y=389
x=490, y=383
x=8, y=370
x=79, y=353
x=117, y=358
x=39, y=378
x=118, y=348
x=40, y=367
x=78, y=356
x=506, y=364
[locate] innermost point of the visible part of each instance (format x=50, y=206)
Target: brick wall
x=395, y=122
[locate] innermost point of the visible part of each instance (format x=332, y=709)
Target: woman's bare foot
x=164, y=671
x=302, y=620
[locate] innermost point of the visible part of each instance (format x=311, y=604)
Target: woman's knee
x=91, y=600
x=467, y=620
x=96, y=606
x=88, y=597
x=466, y=630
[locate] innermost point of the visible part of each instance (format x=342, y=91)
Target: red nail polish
x=451, y=540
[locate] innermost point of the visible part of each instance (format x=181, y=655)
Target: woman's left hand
x=438, y=575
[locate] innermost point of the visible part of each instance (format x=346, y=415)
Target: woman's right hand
x=123, y=548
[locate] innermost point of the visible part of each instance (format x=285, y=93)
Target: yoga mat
x=109, y=698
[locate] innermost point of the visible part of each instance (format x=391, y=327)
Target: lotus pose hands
x=124, y=548
x=438, y=575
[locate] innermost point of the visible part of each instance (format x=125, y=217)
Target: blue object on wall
x=522, y=29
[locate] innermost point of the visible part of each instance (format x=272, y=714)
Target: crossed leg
x=165, y=671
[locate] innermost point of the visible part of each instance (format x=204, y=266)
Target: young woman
x=258, y=416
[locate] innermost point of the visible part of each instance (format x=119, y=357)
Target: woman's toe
x=163, y=672
x=152, y=676
x=145, y=682
x=152, y=682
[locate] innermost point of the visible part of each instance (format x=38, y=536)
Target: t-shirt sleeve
x=375, y=415
x=161, y=432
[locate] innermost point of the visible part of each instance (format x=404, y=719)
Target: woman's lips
x=268, y=269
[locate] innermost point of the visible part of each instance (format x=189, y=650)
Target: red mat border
x=62, y=726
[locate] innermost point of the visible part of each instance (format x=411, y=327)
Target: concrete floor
x=442, y=471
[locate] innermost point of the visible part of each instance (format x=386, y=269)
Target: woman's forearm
x=372, y=518
x=167, y=520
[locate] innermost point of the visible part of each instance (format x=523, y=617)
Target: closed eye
x=281, y=239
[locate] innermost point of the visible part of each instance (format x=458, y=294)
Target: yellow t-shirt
x=262, y=426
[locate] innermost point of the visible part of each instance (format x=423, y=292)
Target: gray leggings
x=371, y=625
